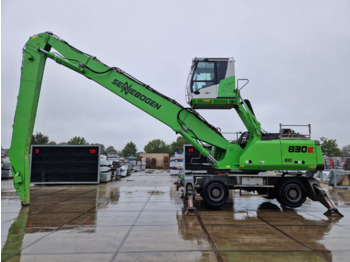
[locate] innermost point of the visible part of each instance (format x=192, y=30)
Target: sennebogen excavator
x=211, y=85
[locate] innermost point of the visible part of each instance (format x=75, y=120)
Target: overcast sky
x=296, y=55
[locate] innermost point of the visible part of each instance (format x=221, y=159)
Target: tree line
x=329, y=146
x=130, y=149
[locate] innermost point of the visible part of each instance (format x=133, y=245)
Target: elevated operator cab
x=211, y=83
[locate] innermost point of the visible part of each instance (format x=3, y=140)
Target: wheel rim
x=216, y=192
x=293, y=193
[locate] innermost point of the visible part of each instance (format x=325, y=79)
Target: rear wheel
x=215, y=192
x=291, y=193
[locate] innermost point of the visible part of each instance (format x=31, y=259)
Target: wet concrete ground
x=141, y=218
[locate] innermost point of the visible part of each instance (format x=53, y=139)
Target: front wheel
x=291, y=193
x=215, y=192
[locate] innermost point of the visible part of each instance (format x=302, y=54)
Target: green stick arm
x=185, y=121
x=27, y=102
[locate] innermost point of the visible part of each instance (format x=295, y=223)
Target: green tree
x=157, y=146
x=178, y=145
x=345, y=151
x=111, y=149
x=103, y=149
x=129, y=150
x=77, y=140
x=40, y=139
x=330, y=147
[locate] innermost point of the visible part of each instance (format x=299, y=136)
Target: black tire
x=215, y=192
x=199, y=189
x=291, y=193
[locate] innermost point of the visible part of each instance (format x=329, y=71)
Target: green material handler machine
x=274, y=165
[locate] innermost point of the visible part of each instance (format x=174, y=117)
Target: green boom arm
x=185, y=121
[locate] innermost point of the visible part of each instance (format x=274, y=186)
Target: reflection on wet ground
x=141, y=218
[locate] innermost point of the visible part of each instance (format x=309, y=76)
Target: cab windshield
x=208, y=74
